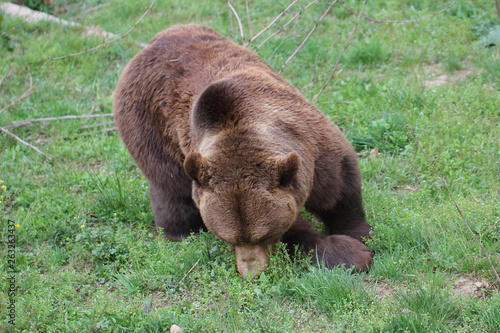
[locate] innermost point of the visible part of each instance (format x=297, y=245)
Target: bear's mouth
x=252, y=259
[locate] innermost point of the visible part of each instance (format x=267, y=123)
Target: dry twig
x=7, y=75
x=482, y=7
x=17, y=26
x=237, y=19
x=286, y=24
x=24, y=142
x=307, y=37
x=270, y=24
x=107, y=42
x=23, y=96
x=232, y=28
x=195, y=264
x=456, y=205
x=332, y=74
x=23, y=123
x=26, y=94
x=315, y=78
x=497, y=5
x=248, y=19
x=278, y=47
x=400, y=21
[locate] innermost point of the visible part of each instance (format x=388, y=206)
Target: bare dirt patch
x=436, y=76
x=464, y=285
x=472, y=286
x=405, y=188
x=383, y=288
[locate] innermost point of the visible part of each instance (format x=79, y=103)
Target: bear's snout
x=251, y=259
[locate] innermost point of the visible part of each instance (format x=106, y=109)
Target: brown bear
x=227, y=144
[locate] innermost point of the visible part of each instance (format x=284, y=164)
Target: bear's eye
x=205, y=179
x=202, y=180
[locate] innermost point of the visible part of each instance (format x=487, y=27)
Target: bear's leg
x=169, y=186
x=174, y=209
x=347, y=217
x=334, y=250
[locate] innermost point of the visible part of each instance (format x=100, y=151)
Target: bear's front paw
x=336, y=250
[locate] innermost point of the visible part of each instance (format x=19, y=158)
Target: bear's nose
x=251, y=259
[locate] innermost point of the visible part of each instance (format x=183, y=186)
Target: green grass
x=90, y=259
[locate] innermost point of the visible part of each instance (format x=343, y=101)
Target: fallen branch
x=332, y=74
x=17, y=26
x=283, y=27
x=315, y=78
x=195, y=264
x=8, y=74
x=248, y=19
x=232, y=28
x=23, y=96
x=456, y=205
x=277, y=48
x=23, y=123
x=270, y=24
x=497, y=5
x=399, y=21
x=24, y=142
x=28, y=93
x=237, y=19
x=107, y=42
x=307, y=37
x=482, y=7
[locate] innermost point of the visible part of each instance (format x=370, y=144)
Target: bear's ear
x=216, y=105
x=195, y=166
x=288, y=167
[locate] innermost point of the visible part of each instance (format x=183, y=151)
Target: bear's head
x=248, y=193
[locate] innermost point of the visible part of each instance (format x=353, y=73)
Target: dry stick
x=497, y=5
x=283, y=27
x=332, y=74
x=91, y=110
x=195, y=264
x=248, y=19
x=237, y=19
x=232, y=28
x=276, y=49
x=400, y=21
x=272, y=23
x=17, y=26
x=31, y=77
x=29, y=122
x=315, y=79
x=7, y=75
x=23, y=142
x=456, y=205
x=26, y=94
x=482, y=7
x=307, y=37
x=107, y=42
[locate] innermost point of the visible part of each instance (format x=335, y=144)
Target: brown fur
x=228, y=144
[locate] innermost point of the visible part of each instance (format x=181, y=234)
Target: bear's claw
x=335, y=250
